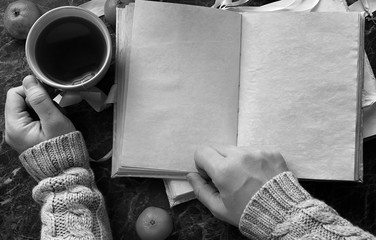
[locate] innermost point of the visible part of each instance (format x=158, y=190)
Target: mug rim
x=95, y=20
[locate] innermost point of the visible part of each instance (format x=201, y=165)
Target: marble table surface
x=127, y=197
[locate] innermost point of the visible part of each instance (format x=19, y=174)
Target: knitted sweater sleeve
x=72, y=206
x=282, y=209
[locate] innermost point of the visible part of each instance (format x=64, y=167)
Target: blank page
x=299, y=90
x=183, y=84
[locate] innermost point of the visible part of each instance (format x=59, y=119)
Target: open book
x=190, y=75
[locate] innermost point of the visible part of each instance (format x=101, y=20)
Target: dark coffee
x=70, y=50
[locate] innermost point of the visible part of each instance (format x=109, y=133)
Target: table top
x=126, y=198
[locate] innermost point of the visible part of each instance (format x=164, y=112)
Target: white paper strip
x=360, y=6
x=283, y=5
x=95, y=97
x=95, y=6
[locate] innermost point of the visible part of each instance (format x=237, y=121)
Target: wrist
x=52, y=157
x=271, y=205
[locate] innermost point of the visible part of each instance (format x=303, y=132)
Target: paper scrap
x=95, y=6
x=95, y=97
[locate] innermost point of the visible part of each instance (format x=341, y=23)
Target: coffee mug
x=69, y=48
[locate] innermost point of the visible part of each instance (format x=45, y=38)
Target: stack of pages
x=189, y=75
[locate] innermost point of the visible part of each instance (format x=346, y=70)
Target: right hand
x=21, y=130
x=237, y=174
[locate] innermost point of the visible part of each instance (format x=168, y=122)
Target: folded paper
x=283, y=5
x=95, y=97
x=95, y=6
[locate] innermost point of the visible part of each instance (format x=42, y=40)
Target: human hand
x=237, y=174
x=21, y=130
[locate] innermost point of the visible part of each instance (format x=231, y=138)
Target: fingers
x=18, y=121
x=39, y=100
x=15, y=104
x=206, y=194
x=206, y=159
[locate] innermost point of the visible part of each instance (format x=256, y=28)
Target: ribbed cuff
x=271, y=205
x=52, y=157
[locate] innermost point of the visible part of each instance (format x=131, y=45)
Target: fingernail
x=29, y=82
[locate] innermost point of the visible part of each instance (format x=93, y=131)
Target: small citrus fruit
x=110, y=9
x=154, y=224
x=19, y=16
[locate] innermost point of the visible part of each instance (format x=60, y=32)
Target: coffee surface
x=70, y=50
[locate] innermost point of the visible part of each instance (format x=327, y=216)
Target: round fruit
x=19, y=16
x=110, y=9
x=154, y=224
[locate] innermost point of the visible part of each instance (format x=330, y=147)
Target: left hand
x=21, y=130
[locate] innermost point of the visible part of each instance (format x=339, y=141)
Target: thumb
x=39, y=99
x=207, y=194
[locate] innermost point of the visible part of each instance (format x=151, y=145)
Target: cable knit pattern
x=72, y=206
x=282, y=209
